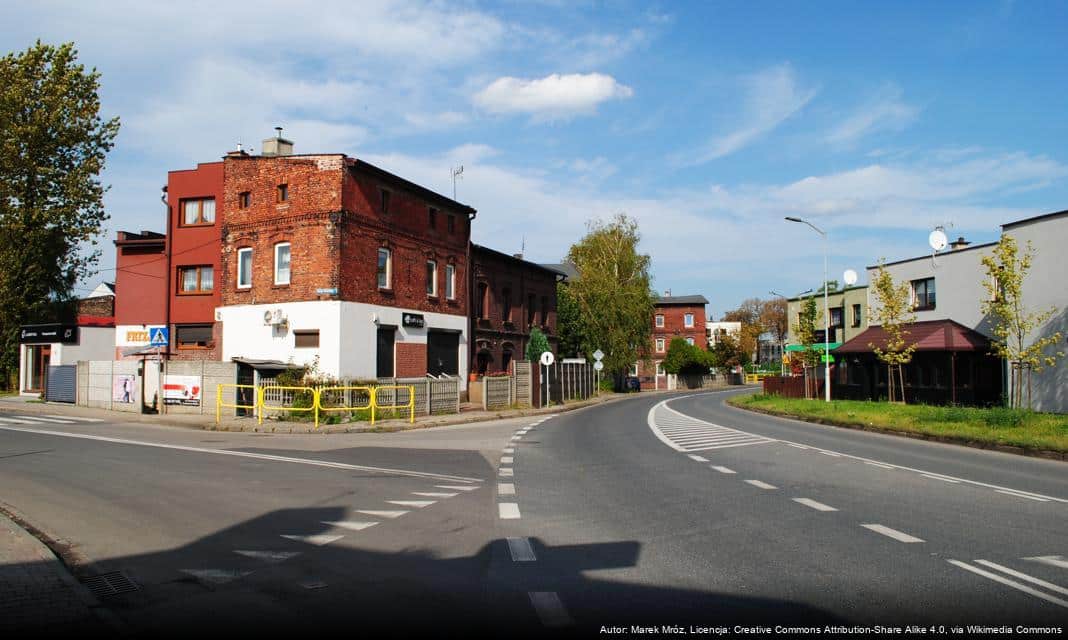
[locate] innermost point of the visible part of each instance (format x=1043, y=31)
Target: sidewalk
x=38, y=596
x=206, y=421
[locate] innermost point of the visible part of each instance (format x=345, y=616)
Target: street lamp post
x=826, y=312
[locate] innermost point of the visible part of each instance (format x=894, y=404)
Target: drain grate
x=112, y=583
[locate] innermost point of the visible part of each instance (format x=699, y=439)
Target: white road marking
x=317, y=539
x=269, y=556
x=687, y=434
x=48, y=420
x=514, y=438
x=434, y=494
x=521, y=550
x=1018, y=494
x=508, y=510
x=830, y=453
x=507, y=472
x=505, y=489
x=942, y=478
x=761, y=485
x=312, y=584
x=878, y=464
x=508, y=450
x=1009, y=583
x=348, y=524
x=216, y=576
x=418, y=504
x=75, y=418
x=381, y=514
x=549, y=608
x=1053, y=561
x=799, y=446
x=698, y=458
x=818, y=506
x=723, y=470
x=507, y=459
x=245, y=454
x=7, y=420
x=454, y=487
x=1023, y=576
x=891, y=533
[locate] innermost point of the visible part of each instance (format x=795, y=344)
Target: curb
x=1045, y=454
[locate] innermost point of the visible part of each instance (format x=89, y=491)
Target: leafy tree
x=773, y=319
x=727, y=353
x=683, y=357
x=893, y=311
x=537, y=345
x=749, y=314
x=1006, y=269
x=805, y=329
x=569, y=328
x=612, y=293
x=52, y=149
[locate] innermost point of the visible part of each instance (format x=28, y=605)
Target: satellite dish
x=850, y=277
x=937, y=239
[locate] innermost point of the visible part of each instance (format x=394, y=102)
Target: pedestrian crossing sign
x=158, y=336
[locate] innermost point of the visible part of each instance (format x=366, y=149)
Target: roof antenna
x=457, y=172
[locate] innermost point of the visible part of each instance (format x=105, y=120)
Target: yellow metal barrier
x=315, y=401
x=410, y=405
x=219, y=404
x=370, y=400
x=754, y=378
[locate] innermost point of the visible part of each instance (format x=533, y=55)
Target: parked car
x=632, y=384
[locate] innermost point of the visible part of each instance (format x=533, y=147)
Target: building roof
x=819, y=294
x=102, y=290
x=565, y=268
x=431, y=196
x=941, y=255
x=929, y=335
x=504, y=256
x=665, y=300
x=1034, y=219
x=126, y=238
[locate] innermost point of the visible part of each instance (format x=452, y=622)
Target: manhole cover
x=110, y=584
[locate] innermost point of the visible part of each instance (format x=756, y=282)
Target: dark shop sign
x=414, y=320
x=64, y=333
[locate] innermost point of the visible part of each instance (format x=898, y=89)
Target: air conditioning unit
x=273, y=317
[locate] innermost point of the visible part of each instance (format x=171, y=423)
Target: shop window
x=193, y=336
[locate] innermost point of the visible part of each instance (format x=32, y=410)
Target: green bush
x=1003, y=417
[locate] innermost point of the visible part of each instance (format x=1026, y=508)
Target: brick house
x=330, y=260
x=509, y=297
x=673, y=317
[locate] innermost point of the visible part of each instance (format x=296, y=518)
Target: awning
x=928, y=335
x=266, y=365
x=817, y=346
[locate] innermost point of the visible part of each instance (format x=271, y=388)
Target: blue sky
x=708, y=122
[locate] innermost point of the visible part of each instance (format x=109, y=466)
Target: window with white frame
x=385, y=268
x=281, y=263
x=450, y=281
x=431, y=278
x=659, y=320
x=687, y=320
x=659, y=368
x=689, y=341
x=660, y=345
x=244, y=268
x=634, y=369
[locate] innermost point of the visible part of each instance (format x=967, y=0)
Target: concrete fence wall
x=211, y=373
x=96, y=380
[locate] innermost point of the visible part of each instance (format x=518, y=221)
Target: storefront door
x=386, y=339
x=38, y=358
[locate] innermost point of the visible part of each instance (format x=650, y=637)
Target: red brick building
x=509, y=297
x=141, y=289
x=674, y=317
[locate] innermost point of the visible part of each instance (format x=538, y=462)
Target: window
x=244, y=268
x=634, y=369
x=193, y=336
x=856, y=315
x=432, y=217
x=532, y=311
x=193, y=280
x=659, y=320
x=483, y=302
x=451, y=223
x=244, y=199
x=923, y=294
x=306, y=339
x=385, y=201
x=660, y=345
x=836, y=317
x=281, y=263
x=431, y=278
x=506, y=297
x=385, y=269
x=659, y=368
x=689, y=341
x=283, y=192
x=687, y=320
x=198, y=212
x=450, y=281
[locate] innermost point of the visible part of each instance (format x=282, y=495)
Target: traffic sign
x=547, y=358
x=597, y=366
x=159, y=336
x=598, y=356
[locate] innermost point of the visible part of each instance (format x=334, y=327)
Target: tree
x=727, y=353
x=537, y=345
x=1006, y=269
x=52, y=149
x=773, y=319
x=893, y=311
x=805, y=329
x=612, y=293
x=683, y=357
x=569, y=328
x=748, y=313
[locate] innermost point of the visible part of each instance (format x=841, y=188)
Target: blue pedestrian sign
x=159, y=336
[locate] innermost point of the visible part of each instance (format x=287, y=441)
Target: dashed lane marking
x=418, y=504
x=1009, y=583
x=381, y=514
x=891, y=533
x=698, y=459
x=508, y=510
x=350, y=525
x=505, y=489
x=521, y=550
x=76, y=418
x=761, y=485
x=508, y=450
x=454, y=487
x=318, y=540
x=47, y=420
x=507, y=459
x=434, y=494
x=507, y=472
x=818, y=506
x=723, y=470
x=549, y=608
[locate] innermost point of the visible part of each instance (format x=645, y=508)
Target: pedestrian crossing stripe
x=688, y=435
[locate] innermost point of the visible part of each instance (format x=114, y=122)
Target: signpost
x=547, y=359
x=597, y=366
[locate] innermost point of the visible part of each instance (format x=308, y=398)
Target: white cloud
x=552, y=97
x=771, y=97
x=884, y=111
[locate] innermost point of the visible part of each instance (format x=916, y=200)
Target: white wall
x=94, y=343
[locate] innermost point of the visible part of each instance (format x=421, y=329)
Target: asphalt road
x=652, y=511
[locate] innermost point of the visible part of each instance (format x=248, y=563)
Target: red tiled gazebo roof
x=929, y=335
